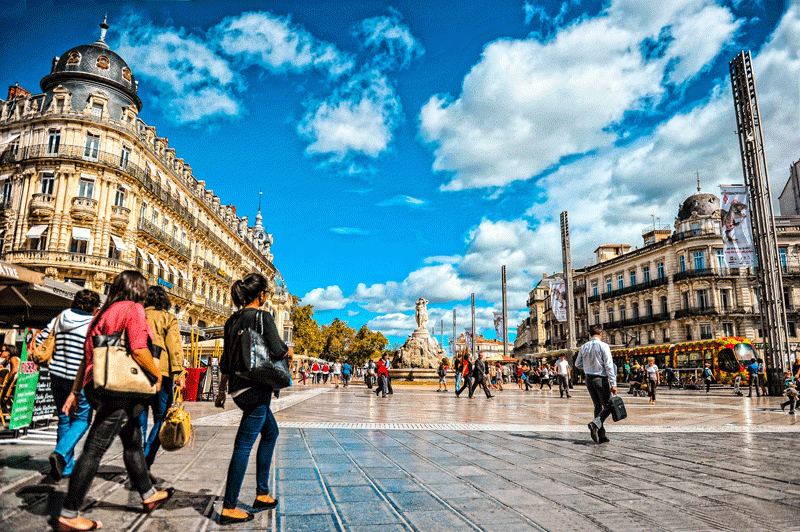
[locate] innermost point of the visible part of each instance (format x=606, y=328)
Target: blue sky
x=410, y=149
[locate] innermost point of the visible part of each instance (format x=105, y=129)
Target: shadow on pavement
x=587, y=443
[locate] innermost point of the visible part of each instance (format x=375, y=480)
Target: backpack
x=442, y=371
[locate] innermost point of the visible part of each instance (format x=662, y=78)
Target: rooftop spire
x=103, y=29
x=258, y=225
x=698, y=180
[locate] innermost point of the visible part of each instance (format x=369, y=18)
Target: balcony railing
x=677, y=237
x=217, y=307
x=693, y=273
x=174, y=289
x=113, y=160
x=214, y=270
x=164, y=238
x=56, y=258
x=83, y=209
x=706, y=310
x=652, y=283
x=42, y=205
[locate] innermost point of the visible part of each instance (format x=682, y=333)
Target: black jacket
x=231, y=361
x=479, y=368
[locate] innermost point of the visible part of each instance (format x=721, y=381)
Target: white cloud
x=528, y=104
x=352, y=313
x=393, y=41
x=349, y=231
x=330, y=298
x=277, y=45
x=358, y=119
x=402, y=199
x=394, y=324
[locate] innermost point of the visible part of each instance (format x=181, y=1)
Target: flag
x=558, y=301
x=737, y=231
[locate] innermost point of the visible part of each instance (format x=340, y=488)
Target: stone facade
x=88, y=189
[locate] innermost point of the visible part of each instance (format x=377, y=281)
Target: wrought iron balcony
x=706, y=310
x=83, y=209
x=693, y=273
x=162, y=237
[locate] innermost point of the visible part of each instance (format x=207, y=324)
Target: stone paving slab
x=346, y=460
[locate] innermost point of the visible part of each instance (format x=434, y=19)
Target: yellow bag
x=43, y=354
x=177, y=430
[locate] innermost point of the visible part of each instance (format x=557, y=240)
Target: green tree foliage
x=307, y=335
x=337, y=338
x=367, y=344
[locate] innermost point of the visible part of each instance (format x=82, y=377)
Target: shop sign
x=162, y=282
x=25, y=394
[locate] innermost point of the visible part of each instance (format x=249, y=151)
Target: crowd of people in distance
x=320, y=372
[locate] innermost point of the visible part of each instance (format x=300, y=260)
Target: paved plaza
x=428, y=461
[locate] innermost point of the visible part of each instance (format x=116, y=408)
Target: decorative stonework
x=102, y=62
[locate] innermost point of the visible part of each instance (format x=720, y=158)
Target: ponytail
x=245, y=291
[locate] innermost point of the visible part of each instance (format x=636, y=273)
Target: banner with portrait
x=558, y=299
x=468, y=338
x=736, y=227
x=498, y=326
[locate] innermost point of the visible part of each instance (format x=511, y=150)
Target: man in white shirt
x=562, y=374
x=594, y=358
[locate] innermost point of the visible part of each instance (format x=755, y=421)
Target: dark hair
x=12, y=350
x=129, y=285
x=245, y=291
x=157, y=297
x=594, y=330
x=86, y=300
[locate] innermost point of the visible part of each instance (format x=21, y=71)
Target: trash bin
x=192, y=383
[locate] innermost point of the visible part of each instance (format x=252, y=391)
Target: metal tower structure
x=756, y=176
x=566, y=255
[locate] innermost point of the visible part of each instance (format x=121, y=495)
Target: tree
x=337, y=338
x=367, y=344
x=306, y=334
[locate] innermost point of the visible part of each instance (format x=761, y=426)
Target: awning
x=182, y=274
x=173, y=270
x=163, y=265
x=81, y=233
x=13, y=274
x=142, y=254
x=153, y=260
x=36, y=231
x=118, y=243
x=10, y=139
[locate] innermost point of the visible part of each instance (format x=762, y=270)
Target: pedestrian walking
x=500, y=376
x=708, y=376
x=442, y=372
x=326, y=371
x=316, y=372
x=304, y=372
x=790, y=391
x=466, y=376
x=479, y=371
x=388, y=364
x=653, y=379
x=669, y=374
x=383, y=377
x=457, y=367
x=594, y=358
x=69, y=329
x=337, y=372
x=752, y=373
x=167, y=340
x=544, y=378
x=347, y=372
x=115, y=416
x=562, y=374
x=249, y=295
x=762, y=377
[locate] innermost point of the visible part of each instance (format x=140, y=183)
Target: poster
x=498, y=325
x=558, y=300
x=25, y=394
x=44, y=406
x=468, y=338
x=736, y=227
x=214, y=376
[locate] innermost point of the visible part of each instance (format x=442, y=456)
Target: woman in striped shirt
x=70, y=328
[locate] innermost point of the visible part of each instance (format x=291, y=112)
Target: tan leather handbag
x=177, y=429
x=43, y=354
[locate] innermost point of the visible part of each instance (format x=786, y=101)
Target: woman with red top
x=122, y=311
x=383, y=377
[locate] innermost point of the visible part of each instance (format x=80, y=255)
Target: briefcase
x=617, y=408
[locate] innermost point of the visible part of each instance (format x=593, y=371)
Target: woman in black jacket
x=249, y=294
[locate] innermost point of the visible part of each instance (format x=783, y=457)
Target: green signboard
x=25, y=395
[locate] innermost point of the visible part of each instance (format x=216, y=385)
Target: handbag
x=618, y=411
x=43, y=354
x=115, y=372
x=177, y=429
x=258, y=365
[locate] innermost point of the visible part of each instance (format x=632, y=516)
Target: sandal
x=63, y=527
x=150, y=506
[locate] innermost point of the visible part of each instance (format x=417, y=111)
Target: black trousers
x=482, y=382
x=466, y=384
x=563, y=384
x=600, y=391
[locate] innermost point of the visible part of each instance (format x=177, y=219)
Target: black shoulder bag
x=256, y=362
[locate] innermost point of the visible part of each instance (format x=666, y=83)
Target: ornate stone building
x=675, y=288
x=88, y=189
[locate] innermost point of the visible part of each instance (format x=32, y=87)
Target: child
x=736, y=382
x=790, y=391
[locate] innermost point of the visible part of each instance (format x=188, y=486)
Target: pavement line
x=653, y=429
x=232, y=418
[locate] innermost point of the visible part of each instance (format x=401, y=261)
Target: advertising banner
x=498, y=325
x=25, y=394
x=558, y=299
x=737, y=232
x=468, y=338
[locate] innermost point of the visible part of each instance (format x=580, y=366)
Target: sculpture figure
x=422, y=313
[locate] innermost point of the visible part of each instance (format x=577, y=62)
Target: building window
x=685, y=297
x=597, y=317
x=702, y=299
x=165, y=225
x=792, y=329
x=646, y=273
x=612, y=339
x=648, y=305
x=760, y=332
x=92, y=146
x=623, y=312
x=97, y=110
x=633, y=277
x=78, y=246
x=688, y=333
x=664, y=307
x=660, y=267
x=124, y=156
x=154, y=218
x=705, y=331
x=721, y=260
x=787, y=297
x=635, y=310
x=143, y=212
x=119, y=197
x=13, y=146
x=48, y=181
x=113, y=252
x=699, y=260
x=594, y=288
x=784, y=266
x=638, y=337
x=665, y=334
x=727, y=328
x=651, y=336
x=610, y=314
x=38, y=243
x=86, y=188
x=682, y=262
x=53, y=141
x=725, y=299
x=6, y=191
x=695, y=228
x=620, y=281
x=609, y=288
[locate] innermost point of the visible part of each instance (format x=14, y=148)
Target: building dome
x=701, y=204
x=94, y=66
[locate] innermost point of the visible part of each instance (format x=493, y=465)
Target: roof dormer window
x=74, y=58
x=103, y=62
x=126, y=73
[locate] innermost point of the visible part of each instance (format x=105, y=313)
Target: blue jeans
x=159, y=403
x=70, y=431
x=257, y=419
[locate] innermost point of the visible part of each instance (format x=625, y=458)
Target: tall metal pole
x=455, y=338
x=505, y=314
x=567, y=261
x=441, y=329
x=474, y=335
x=756, y=175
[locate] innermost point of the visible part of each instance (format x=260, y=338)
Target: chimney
x=17, y=91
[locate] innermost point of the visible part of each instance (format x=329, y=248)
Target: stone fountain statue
x=421, y=350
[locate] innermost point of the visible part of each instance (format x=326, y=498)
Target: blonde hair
x=651, y=360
